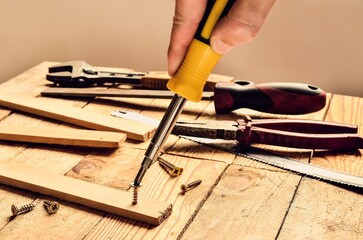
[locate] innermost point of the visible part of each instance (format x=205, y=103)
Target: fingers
x=188, y=14
x=241, y=25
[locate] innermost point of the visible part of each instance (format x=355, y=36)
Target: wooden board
x=85, y=193
x=326, y=210
x=247, y=203
x=159, y=184
x=72, y=137
x=316, y=210
x=77, y=116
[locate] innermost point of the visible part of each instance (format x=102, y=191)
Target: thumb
x=241, y=25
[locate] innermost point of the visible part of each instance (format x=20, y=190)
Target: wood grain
x=114, y=169
x=69, y=137
x=73, y=216
x=158, y=184
x=324, y=210
x=247, y=203
x=85, y=193
x=77, y=116
x=318, y=210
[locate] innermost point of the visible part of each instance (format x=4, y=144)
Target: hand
x=241, y=25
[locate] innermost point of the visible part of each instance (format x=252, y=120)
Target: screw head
x=14, y=210
x=184, y=188
x=51, y=207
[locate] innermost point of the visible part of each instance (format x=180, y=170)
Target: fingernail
x=219, y=46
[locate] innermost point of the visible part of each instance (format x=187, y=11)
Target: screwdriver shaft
x=157, y=142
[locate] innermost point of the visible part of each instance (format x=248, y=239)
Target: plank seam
x=328, y=107
x=288, y=209
x=201, y=204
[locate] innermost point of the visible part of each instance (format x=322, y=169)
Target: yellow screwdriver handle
x=200, y=59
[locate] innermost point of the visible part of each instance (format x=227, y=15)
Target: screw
x=22, y=209
x=135, y=193
x=186, y=187
x=51, y=207
x=170, y=168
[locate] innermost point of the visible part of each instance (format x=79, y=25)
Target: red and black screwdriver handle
x=278, y=97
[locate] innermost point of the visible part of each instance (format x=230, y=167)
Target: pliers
x=81, y=74
x=294, y=133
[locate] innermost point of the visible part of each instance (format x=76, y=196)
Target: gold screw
x=22, y=209
x=51, y=207
x=186, y=187
x=170, y=168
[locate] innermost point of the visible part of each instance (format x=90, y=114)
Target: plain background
x=308, y=41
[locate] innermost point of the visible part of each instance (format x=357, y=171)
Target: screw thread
x=194, y=184
x=134, y=196
x=186, y=187
x=22, y=209
x=47, y=202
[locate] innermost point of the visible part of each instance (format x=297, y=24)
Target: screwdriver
x=187, y=83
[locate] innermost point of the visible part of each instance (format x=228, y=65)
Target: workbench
x=238, y=198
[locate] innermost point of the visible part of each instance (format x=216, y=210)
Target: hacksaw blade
x=257, y=154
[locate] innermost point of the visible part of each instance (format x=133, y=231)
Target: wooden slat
x=85, y=193
x=72, y=137
x=158, y=184
x=73, y=221
x=323, y=210
x=77, y=116
x=248, y=203
x=116, y=168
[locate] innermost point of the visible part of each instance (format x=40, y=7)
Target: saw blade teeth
x=358, y=182
x=288, y=164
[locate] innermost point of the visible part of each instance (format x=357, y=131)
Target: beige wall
x=316, y=42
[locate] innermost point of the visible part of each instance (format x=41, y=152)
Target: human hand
x=241, y=25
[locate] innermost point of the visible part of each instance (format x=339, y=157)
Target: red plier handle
x=298, y=134
x=294, y=133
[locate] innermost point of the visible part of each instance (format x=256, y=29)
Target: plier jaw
x=294, y=133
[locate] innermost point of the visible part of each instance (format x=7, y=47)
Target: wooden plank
x=72, y=137
x=73, y=221
x=324, y=210
x=158, y=184
x=247, y=203
x=85, y=193
x=31, y=82
x=77, y=116
x=116, y=169
x=51, y=158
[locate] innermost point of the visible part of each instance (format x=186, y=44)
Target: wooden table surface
x=238, y=198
